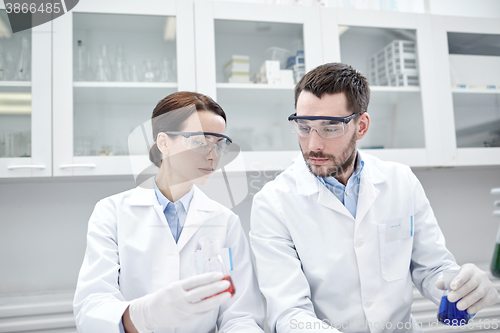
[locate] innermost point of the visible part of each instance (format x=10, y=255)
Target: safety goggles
x=326, y=127
x=204, y=142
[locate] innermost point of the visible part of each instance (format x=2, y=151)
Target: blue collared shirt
x=347, y=194
x=175, y=213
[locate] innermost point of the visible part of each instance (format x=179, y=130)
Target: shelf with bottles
x=242, y=48
x=124, y=48
x=104, y=118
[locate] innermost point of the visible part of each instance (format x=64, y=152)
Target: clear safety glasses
x=326, y=127
x=204, y=142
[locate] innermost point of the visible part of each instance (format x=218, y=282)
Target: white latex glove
x=179, y=303
x=472, y=287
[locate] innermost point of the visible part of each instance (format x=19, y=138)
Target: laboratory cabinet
x=25, y=101
x=115, y=62
x=467, y=62
x=394, y=52
x=248, y=58
x=434, y=81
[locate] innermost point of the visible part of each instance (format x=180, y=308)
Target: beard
x=340, y=164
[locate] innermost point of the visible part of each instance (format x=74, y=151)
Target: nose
x=315, y=141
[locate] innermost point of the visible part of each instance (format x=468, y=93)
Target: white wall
x=44, y=221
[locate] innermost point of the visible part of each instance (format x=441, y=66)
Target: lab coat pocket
x=396, y=242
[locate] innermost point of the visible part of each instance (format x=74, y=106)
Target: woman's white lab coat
x=131, y=252
x=357, y=273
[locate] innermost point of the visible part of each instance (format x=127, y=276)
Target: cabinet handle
x=495, y=191
x=67, y=166
x=496, y=213
x=13, y=167
x=497, y=203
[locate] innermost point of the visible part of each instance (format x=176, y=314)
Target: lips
x=318, y=161
x=206, y=170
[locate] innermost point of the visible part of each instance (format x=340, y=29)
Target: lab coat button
x=358, y=243
x=172, y=218
x=368, y=303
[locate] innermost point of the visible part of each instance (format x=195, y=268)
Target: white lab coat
x=131, y=252
x=314, y=260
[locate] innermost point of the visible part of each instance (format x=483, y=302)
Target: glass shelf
x=259, y=41
x=15, y=92
x=388, y=58
x=130, y=74
x=257, y=112
x=475, y=78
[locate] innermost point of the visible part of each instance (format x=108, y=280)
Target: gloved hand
x=473, y=288
x=179, y=303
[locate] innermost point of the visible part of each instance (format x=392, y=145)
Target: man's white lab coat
x=131, y=252
x=314, y=260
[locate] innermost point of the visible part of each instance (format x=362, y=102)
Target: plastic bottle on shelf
x=106, y=62
x=120, y=72
x=165, y=72
x=101, y=73
x=448, y=313
x=133, y=74
x=81, y=62
x=149, y=72
x=23, y=66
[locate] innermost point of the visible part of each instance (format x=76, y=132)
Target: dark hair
x=179, y=106
x=334, y=78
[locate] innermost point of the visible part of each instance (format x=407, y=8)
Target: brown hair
x=179, y=106
x=334, y=78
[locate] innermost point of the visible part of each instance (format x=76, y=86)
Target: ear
x=362, y=125
x=162, y=143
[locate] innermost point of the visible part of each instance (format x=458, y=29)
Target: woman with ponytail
x=141, y=271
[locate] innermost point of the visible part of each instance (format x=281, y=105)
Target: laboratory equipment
x=212, y=261
x=165, y=71
x=81, y=62
x=495, y=262
x=448, y=313
x=120, y=73
x=149, y=72
x=101, y=73
x=106, y=64
x=22, y=70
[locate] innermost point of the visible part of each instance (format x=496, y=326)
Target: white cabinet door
x=233, y=42
x=25, y=101
x=113, y=62
x=468, y=83
x=394, y=52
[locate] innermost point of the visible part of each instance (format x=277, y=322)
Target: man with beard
x=340, y=236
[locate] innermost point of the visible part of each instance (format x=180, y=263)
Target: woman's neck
x=171, y=192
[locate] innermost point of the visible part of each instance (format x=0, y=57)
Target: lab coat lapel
x=200, y=210
x=308, y=184
x=370, y=179
x=144, y=195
